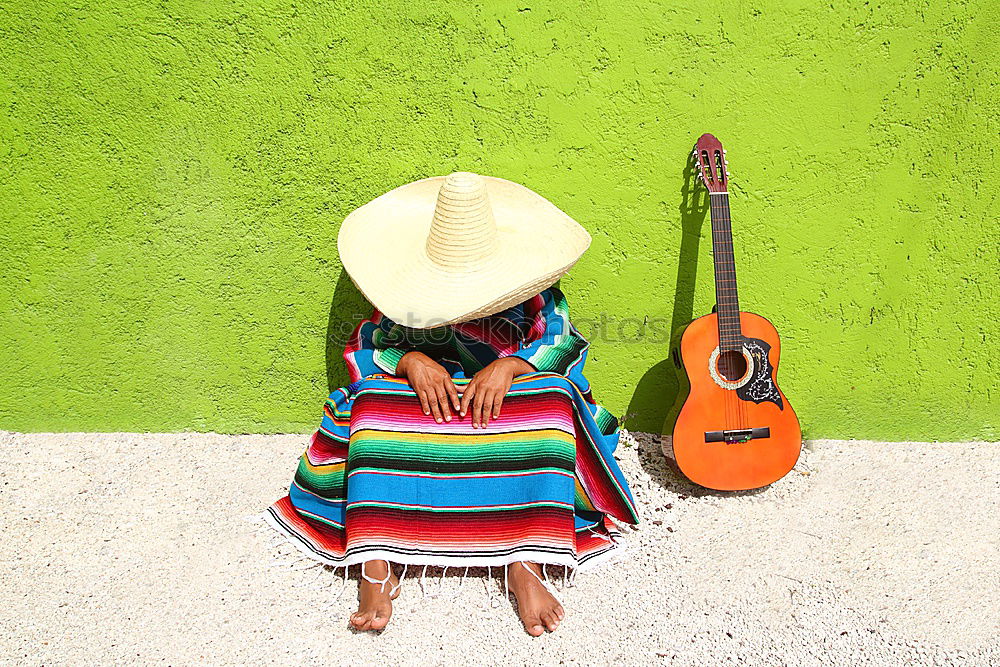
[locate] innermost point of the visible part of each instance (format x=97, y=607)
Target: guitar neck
x=726, y=296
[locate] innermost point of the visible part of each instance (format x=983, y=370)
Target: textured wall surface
x=173, y=177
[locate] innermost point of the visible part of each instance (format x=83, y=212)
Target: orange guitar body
x=711, y=410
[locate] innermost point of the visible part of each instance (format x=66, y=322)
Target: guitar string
x=717, y=259
x=718, y=268
x=731, y=258
x=727, y=239
x=717, y=256
x=749, y=369
x=731, y=410
x=725, y=262
x=735, y=409
x=743, y=419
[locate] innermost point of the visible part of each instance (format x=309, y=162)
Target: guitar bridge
x=737, y=435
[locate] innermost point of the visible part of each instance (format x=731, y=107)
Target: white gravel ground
x=134, y=548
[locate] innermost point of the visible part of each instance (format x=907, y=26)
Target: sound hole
x=732, y=365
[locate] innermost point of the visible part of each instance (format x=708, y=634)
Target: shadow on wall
x=657, y=390
x=347, y=308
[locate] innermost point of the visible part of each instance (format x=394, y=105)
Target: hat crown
x=463, y=231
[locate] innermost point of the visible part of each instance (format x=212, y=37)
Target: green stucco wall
x=173, y=175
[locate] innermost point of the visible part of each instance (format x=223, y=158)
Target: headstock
x=710, y=162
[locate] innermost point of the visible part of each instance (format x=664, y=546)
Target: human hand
x=486, y=390
x=431, y=381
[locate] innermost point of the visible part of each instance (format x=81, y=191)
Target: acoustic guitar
x=735, y=429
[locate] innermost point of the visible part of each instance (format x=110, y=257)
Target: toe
x=361, y=620
x=381, y=620
x=560, y=612
x=550, y=621
x=534, y=626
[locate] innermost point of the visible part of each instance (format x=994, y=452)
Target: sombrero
x=454, y=248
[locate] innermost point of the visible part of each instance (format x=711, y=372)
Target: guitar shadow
x=659, y=387
x=654, y=403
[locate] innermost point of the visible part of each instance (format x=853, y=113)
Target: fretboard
x=726, y=297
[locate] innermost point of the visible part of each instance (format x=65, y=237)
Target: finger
x=442, y=400
x=435, y=410
x=467, y=396
x=452, y=390
x=477, y=409
x=487, y=408
x=474, y=408
x=422, y=395
x=497, y=403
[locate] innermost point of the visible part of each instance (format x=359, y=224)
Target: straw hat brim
x=383, y=249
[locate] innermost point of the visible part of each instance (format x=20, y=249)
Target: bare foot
x=538, y=609
x=375, y=606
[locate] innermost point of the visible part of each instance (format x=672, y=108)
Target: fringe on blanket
x=289, y=555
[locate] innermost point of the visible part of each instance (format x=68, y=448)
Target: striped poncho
x=382, y=480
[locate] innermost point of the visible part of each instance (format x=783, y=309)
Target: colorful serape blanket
x=382, y=480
